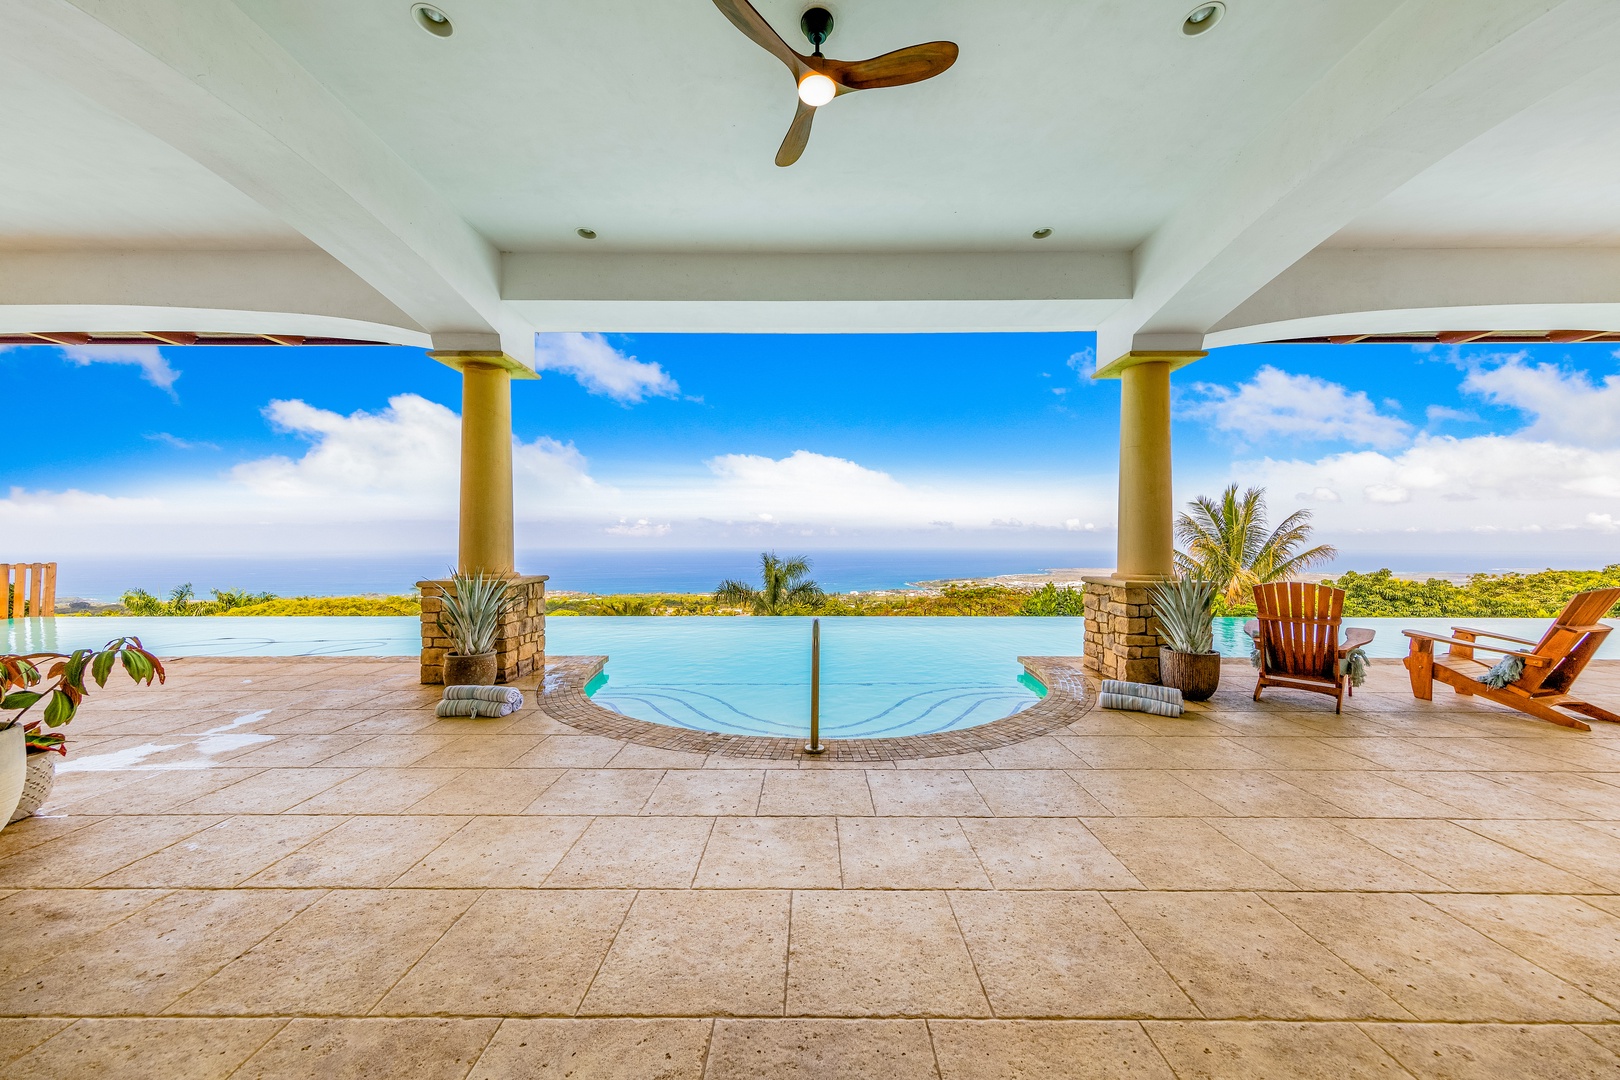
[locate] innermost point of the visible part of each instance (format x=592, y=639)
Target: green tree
x=1226, y=542
x=785, y=587
x=1051, y=600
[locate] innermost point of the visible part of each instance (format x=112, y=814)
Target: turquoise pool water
x=880, y=676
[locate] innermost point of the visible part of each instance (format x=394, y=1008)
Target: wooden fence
x=30, y=589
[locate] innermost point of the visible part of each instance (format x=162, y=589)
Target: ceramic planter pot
x=37, y=784
x=1196, y=675
x=13, y=771
x=476, y=670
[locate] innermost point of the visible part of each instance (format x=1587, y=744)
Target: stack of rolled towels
x=480, y=701
x=1140, y=697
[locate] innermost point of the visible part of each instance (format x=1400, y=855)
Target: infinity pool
x=879, y=676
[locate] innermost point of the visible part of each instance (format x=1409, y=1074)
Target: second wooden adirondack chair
x=1551, y=665
x=1296, y=633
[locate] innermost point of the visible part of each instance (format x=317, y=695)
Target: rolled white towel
x=1150, y=691
x=480, y=701
x=473, y=707
x=1131, y=703
x=509, y=694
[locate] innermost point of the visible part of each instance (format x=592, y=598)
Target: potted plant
x=1189, y=661
x=27, y=769
x=473, y=608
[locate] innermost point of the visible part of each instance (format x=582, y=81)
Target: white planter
x=13, y=770
x=37, y=784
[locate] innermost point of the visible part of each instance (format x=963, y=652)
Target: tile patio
x=290, y=868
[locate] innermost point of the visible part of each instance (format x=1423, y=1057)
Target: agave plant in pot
x=28, y=746
x=1189, y=661
x=474, y=606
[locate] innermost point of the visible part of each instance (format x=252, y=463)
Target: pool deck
x=290, y=868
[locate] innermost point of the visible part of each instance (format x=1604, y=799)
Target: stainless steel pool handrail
x=814, y=746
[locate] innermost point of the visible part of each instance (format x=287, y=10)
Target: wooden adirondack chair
x=1297, y=635
x=1551, y=665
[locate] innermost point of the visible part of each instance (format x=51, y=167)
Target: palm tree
x=1226, y=543
x=785, y=587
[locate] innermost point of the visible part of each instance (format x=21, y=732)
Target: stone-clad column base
x=1122, y=635
x=520, y=647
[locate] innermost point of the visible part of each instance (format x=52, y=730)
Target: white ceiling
x=1186, y=180
x=73, y=176
x=1549, y=177
x=655, y=123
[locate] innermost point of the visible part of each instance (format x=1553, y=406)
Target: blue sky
x=1439, y=458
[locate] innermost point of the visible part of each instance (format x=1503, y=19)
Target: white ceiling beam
x=207, y=80
x=817, y=293
x=1350, y=291
x=289, y=293
x=1430, y=78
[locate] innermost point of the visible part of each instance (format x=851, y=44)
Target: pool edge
x=1069, y=697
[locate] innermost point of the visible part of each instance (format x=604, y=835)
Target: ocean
x=570, y=570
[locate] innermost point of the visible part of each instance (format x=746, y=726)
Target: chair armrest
x=1357, y=636
x=1492, y=634
x=1529, y=658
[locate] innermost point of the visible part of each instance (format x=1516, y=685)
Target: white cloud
x=154, y=366
x=405, y=459
x=181, y=444
x=601, y=368
x=387, y=481
x=1443, y=484
x=1439, y=414
x=1567, y=406
x=639, y=527
x=1275, y=403
x=1084, y=362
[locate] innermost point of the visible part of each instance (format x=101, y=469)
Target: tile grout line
x=950, y=905
x=600, y=964
x=267, y=1041
x=1126, y=923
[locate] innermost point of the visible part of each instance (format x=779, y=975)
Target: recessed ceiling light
x=1202, y=19
x=432, y=20
x=586, y=234
x=1041, y=234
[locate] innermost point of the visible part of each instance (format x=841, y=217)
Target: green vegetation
x=1526, y=596
x=953, y=600
x=1227, y=544
x=334, y=605
x=182, y=602
x=632, y=604
x=785, y=589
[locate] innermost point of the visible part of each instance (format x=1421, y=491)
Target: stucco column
x=1146, y=507
x=486, y=470
x=1146, y=502
x=1122, y=638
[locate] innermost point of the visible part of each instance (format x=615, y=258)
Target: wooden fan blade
x=908, y=65
x=798, y=136
x=756, y=29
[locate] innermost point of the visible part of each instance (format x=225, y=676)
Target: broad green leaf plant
x=62, y=688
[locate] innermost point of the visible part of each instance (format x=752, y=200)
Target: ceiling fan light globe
x=815, y=89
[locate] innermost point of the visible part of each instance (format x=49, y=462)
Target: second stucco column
x=486, y=537
x=1122, y=637
x=1146, y=504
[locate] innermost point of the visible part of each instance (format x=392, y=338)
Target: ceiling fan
x=821, y=79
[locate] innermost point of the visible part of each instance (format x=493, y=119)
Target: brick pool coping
x=1069, y=697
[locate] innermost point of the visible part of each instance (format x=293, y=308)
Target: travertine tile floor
x=291, y=869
